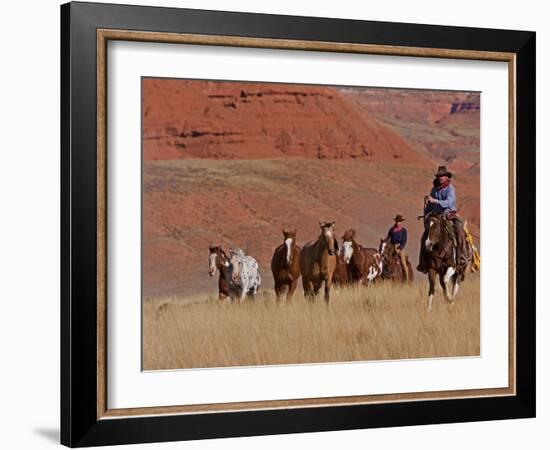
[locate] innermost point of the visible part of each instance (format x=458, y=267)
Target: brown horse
x=341, y=275
x=364, y=264
x=441, y=259
x=318, y=262
x=392, y=269
x=285, y=265
x=218, y=261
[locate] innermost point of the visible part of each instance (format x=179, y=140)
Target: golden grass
x=381, y=322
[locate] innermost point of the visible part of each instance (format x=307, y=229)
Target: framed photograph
x=277, y=224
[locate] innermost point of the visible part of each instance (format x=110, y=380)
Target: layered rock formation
x=443, y=125
x=200, y=119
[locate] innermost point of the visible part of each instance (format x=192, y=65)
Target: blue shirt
x=446, y=200
x=398, y=236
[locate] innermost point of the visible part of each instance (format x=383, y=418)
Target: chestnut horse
x=392, y=267
x=341, y=275
x=285, y=265
x=364, y=264
x=219, y=262
x=318, y=262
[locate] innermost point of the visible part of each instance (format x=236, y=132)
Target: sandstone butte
x=192, y=119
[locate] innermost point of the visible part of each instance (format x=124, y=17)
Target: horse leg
x=277, y=291
x=447, y=283
x=431, y=290
x=253, y=291
x=244, y=292
x=291, y=289
x=223, y=289
x=316, y=289
x=442, y=283
x=308, y=289
x=328, y=284
x=456, y=280
x=316, y=283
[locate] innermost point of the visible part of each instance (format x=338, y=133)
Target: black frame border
x=79, y=423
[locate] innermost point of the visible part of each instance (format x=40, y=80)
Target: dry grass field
x=381, y=322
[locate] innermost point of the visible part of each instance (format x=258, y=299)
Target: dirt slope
x=190, y=204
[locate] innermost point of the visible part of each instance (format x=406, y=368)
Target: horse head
x=289, y=239
x=387, y=253
x=434, y=226
x=383, y=245
x=217, y=259
x=386, y=248
x=327, y=235
x=348, y=244
x=235, y=258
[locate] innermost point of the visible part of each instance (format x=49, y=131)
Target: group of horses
x=322, y=263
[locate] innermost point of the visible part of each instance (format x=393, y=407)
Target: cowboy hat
x=399, y=218
x=443, y=172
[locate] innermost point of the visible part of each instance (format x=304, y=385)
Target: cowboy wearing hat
x=397, y=235
x=442, y=200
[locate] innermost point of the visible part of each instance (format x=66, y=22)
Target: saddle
x=450, y=228
x=474, y=253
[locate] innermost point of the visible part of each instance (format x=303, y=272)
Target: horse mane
x=326, y=224
x=216, y=249
x=444, y=239
x=349, y=235
x=238, y=252
x=290, y=232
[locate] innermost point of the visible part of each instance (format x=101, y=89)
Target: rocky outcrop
x=200, y=119
x=423, y=106
x=442, y=125
x=464, y=107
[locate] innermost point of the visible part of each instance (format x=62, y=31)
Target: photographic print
x=299, y=224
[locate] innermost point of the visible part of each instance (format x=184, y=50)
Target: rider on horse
x=442, y=200
x=397, y=235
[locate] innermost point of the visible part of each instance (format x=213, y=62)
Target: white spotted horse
x=244, y=275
